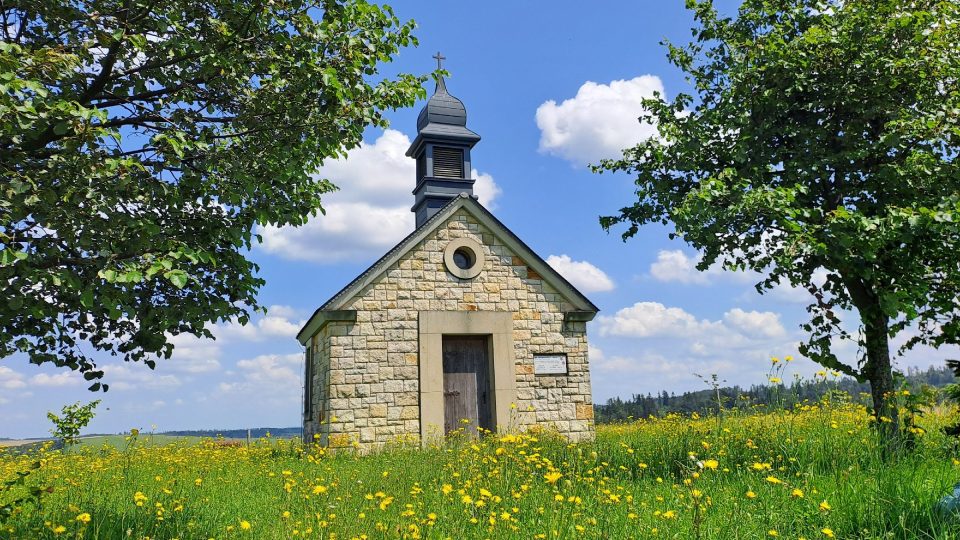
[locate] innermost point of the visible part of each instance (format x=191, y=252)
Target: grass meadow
x=814, y=471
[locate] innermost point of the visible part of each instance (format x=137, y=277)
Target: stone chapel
x=460, y=326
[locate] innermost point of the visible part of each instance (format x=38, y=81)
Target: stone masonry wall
x=373, y=380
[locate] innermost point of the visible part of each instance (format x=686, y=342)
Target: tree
x=72, y=419
x=823, y=141
x=142, y=142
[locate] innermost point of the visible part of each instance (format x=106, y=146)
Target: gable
x=507, y=244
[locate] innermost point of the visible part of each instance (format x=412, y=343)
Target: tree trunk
x=879, y=371
x=878, y=368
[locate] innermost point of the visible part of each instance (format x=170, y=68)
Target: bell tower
x=442, y=150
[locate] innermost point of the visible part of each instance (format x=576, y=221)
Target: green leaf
x=179, y=278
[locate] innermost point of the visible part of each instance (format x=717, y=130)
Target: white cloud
x=582, y=274
x=269, y=376
x=63, y=378
x=134, y=376
x=599, y=122
x=193, y=355
x=675, y=344
x=675, y=266
x=738, y=329
x=370, y=213
x=275, y=324
x=648, y=319
x=755, y=323
x=10, y=379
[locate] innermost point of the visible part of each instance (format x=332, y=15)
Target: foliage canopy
x=142, y=142
x=823, y=141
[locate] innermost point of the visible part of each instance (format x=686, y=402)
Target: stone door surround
x=432, y=326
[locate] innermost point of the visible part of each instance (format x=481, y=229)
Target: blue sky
x=549, y=87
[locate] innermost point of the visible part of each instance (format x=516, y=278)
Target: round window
x=463, y=258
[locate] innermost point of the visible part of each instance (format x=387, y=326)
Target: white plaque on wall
x=549, y=364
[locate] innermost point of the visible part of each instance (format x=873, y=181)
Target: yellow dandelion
x=827, y=532
x=824, y=506
x=552, y=477
x=83, y=518
x=751, y=495
x=245, y=525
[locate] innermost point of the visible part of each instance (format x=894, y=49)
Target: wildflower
x=317, y=490
x=198, y=482
x=751, y=495
x=797, y=493
x=59, y=529
x=827, y=532
x=245, y=525
x=776, y=380
x=824, y=506
x=83, y=518
x=711, y=464
x=774, y=480
x=552, y=477
x=669, y=514
x=139, y=498
x=772, y=532
x=446, y=489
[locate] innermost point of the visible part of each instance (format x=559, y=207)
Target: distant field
x=148, y=440
x=815, y=472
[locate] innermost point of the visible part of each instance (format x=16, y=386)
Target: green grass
x=812, y=472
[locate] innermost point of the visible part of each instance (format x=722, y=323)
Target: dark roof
x=444, y=117
x=442, y=108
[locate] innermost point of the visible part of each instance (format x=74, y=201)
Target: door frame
x=503, y=375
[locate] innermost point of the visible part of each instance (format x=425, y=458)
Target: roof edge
x=321, y=318
x=580, y=302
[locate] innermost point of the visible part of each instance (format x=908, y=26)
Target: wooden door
x=466, y=383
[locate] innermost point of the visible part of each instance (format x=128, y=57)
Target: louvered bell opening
x=447, y=162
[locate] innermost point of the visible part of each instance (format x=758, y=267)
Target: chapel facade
x=460, y=326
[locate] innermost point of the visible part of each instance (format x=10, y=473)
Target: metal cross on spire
x=440, y=58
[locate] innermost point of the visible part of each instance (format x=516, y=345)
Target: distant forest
x=786, y=395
